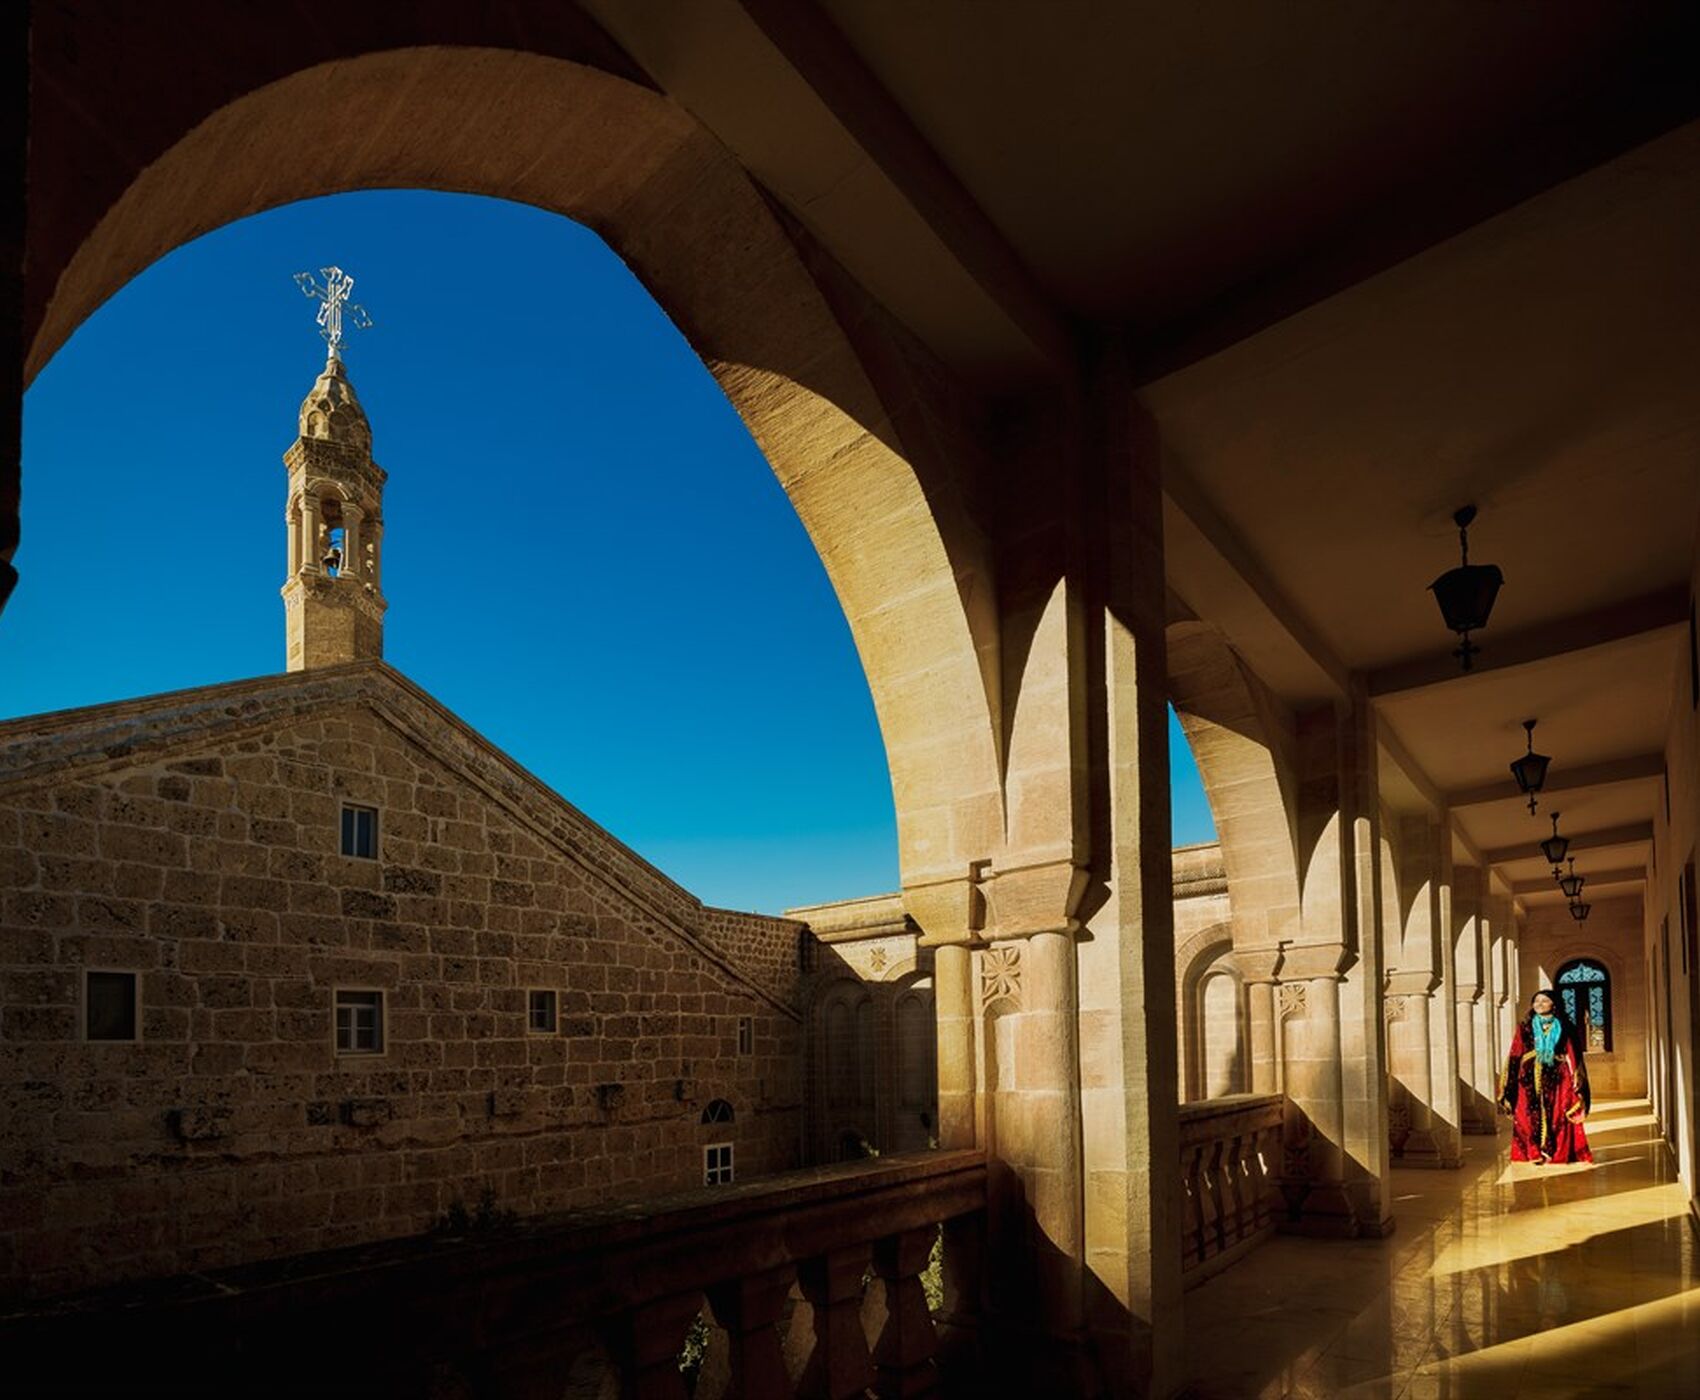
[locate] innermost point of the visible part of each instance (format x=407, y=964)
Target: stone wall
x=232, y=1128
x=872, y=1085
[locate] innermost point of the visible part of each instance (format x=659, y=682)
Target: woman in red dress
x=1546, y=1087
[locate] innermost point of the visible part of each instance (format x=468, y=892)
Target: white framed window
x=541, y=1009
x=746, y=1035
x=717, y=1164
x=360, y=831
x=110, y=1005
x=718, y=1111
x=359, y=1022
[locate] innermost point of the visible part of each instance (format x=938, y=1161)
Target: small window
x=359, y=1023
x=109, y=1006
x=717, y=1164
x=540, y=1009
x=717, y=1112
x=360, y=832
x=746, y=1035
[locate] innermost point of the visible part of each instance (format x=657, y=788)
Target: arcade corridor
x=1500, y=1281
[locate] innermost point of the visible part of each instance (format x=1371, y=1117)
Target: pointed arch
x=907, y=562
x=1242, y=740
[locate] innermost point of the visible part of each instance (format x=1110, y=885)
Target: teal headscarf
x=1547, y=1029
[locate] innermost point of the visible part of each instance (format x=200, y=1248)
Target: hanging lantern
x=1531, y=769
x=1466, y=594
x=1572, y=883
x=1554, y=847
x=1580, y=911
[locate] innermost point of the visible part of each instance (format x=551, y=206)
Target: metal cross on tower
x=332, y=295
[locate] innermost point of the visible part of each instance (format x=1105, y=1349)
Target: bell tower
x=333, y=596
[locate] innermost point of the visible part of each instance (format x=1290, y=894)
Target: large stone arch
x=908, y=565
x=1242, y=741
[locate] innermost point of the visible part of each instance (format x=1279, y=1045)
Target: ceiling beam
x=1217, y=578
x=1413, y=771
x=1614, y=622
x=1617, y=770
x=820, y=55
x=1604, y=877
x=1628, y=100
x=1629, y=835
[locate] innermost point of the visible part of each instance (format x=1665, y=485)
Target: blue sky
x=585, y=555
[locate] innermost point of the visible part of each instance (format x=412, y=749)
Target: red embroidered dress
x=1547, y=1102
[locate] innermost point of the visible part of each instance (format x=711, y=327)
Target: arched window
x=717, y=1112
x=1585, y=987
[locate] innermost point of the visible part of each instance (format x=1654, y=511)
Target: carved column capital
x=949, y=909
x=1024, y=898
x=1417, y=982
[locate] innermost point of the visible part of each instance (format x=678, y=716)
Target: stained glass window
x=1585, y=988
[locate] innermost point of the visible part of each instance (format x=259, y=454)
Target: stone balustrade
x=812, y=1279
x=1230, y=1158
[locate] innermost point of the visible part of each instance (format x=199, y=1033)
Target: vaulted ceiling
x=1377, y=266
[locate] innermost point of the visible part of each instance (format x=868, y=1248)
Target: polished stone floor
x=1502, y=1281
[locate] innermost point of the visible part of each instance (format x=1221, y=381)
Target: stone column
x=292, y=528
x=376, y=530
x=1476, y=1113
x=1127, y=964
x=1314, y=1176
x=1443, y=1024
x=1257, y=969
x=310, y=533
x=1029, y=967
x=954, y=999
x=1363, y=1029
x=1410, y=1010
x=351, y=517
x=1423, y=1051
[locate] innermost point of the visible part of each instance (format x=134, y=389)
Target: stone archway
x=1241, y=740
x=908, y=566
x=1207, y=956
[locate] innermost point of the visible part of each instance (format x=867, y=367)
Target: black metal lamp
x=1554, y=847
x=1466, y=594
x=1572, y=883
x=1531, y=769
x=1580, y=911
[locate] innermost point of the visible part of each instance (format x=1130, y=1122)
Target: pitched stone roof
x=53, y=747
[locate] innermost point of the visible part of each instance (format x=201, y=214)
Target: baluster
x=1210, y=1197
x=958, y=1320
x=837, y=1368
x=1269, y=1193
x=903, y=1353
x=1233, y=1203
x=749, y=1309
x=1256, y=1186
x=646, y=1343
x=1192, y=1232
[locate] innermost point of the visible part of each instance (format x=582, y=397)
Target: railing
x=813, y=1278
x=1230, y=1155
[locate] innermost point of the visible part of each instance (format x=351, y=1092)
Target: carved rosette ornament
x=1292, y=1000
x=1393, y=1009
x=876, y=959
x=1000, y=974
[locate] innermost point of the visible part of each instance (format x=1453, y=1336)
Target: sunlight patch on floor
x=1527, y=1233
